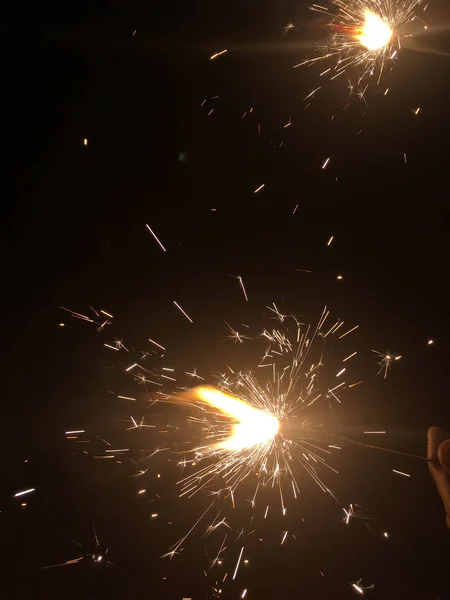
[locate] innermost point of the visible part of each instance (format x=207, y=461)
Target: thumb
x=444, y=456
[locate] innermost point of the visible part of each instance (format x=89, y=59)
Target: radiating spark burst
x=385, y=360
x=365, y=37
x=354, y=511
x=360, y=588
x=253, y=430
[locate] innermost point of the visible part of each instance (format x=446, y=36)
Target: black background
x=73, y=234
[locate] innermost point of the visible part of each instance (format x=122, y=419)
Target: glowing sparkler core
x=375, y=33
x=253, y=426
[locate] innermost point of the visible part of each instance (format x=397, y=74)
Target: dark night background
x=73, y=234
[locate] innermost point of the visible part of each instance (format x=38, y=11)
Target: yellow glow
x=253, y=426
x=375, y=33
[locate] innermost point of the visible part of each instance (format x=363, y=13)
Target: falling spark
x=238, y=562
x=182, y=311
x=430, y=342
x=155, y=237
x=244, y=594
x=85, y=142
x=112, y=347
x=214, y=56
x=24, y=492
x=75, y=431
x=140, y=492
x=324, y=166
x=330, y=241
x=127, y=398
x=347, y=332
x=375, y=432
x=340, y=372
x=404, y=157
x=241, y=283
x=284, y=537
x=355, y=384
x=350, y=356
x=156, y=344
x=339, y=277
x=385, y=361
x=258, y=189
x=357, y=586
x=401, y=473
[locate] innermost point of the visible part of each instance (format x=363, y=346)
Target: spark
x=340, y=372
x=347, y=332
x=155, y=237
x=24, y=492
x=350, y=356
x=288, y=27
x=106, y=314
x=330, y=241
x=127, y=398
x=235, y=335
x=375, y=432
x=258, y=189
x=339, y=277
x=244, y=594
x=430, y=342
x=355, y=384
x=324, y=166
x=401, y=473
x=74, y=431
x=217, y=54
x=284, y=537
x=156, y=344
x=357, y=586
x=385, y=361
x=183, y=312
x=111, y=347
x=238, y=562
x=241, y=283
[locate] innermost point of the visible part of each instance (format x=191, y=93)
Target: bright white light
x=24, y=492
x=253, y=426
x=375, y=33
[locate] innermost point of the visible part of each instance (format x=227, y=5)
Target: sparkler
x=255, y=426
x=365, y=36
